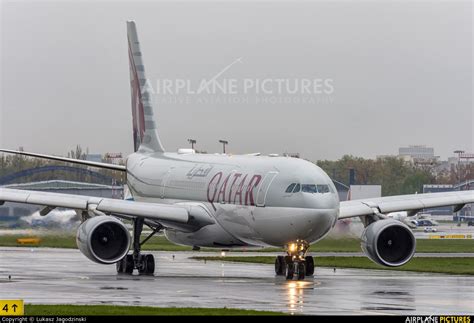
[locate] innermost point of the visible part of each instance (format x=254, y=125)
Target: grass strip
x=160, y=243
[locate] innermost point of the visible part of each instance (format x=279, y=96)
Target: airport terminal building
x=465, y=213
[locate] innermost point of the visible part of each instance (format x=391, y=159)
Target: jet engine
x=388, y=242
x=103, y=239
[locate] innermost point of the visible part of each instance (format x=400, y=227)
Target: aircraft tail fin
x=145, y=133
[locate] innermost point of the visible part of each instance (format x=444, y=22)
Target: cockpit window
x=297, y=188
x=313, y=188
x=309, y=188
x=323, y=188
x=289, y=189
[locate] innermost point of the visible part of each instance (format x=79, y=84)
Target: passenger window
x=323, y=188
x=309, y=188
x=297, y=188
x=289, y=189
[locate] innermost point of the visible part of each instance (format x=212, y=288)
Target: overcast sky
x=400, y=73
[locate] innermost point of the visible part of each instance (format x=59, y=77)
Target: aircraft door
x=263, y=188
x=165, y=182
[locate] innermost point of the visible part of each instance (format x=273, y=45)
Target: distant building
x=114, y=158
x=417, y=152
x=466, y=212
x=436, y=188
x=94, y=158
x=419, y=155
x=464, y=158
x=342, y=190
x=453, y=160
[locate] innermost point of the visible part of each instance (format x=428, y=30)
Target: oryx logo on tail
x=145, y=135
x=137, y=104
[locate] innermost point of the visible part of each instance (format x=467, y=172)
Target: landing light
x=223, y=254
x=293, y=247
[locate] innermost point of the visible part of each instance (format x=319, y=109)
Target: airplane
x=223, y=201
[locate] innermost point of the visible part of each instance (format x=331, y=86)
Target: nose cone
x=312, y=224
x=291, y=224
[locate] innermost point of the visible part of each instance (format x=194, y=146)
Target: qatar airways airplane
x=224, y=201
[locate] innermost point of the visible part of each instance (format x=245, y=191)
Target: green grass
x=455, y=265
x=53, y=310
x=422, y=245
x=47, y=240
x=327, y=245
x=69, y=241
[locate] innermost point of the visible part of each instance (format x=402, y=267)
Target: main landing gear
x=295, y=263
x=144, y=263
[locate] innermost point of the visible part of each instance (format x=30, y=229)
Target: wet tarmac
x=61, y=276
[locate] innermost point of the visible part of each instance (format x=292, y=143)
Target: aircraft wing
x=98, y=205
x=411, y=203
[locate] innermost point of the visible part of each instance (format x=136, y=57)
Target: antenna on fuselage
x=192, y=142
x=224, y=143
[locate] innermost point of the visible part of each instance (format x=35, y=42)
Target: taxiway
x=62, y=276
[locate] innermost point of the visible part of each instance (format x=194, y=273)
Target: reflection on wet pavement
x=49, y=276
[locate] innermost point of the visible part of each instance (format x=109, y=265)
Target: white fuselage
x=246, y=196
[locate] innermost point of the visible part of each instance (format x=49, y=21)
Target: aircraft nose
x=313, y=223
x=321, y=201
x=290, y=224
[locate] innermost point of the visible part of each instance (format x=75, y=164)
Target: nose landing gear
x=296, y=262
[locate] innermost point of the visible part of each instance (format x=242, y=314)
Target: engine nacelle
x=103, y=239
x=388, y=242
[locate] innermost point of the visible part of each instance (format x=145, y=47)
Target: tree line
x=396, y=175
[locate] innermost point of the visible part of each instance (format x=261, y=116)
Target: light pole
x=224, y=143
x=459, y=152
x=192, y=142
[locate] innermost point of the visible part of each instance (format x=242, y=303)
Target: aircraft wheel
x=150, y=264
x=142, y=265
x=119, y=266
x=309, y=262
x=280, y=265
x=128, y=264
x=147, y=265
x=301, y=270
x=290, y=270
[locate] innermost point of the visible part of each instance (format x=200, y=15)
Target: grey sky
x=402, y=74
